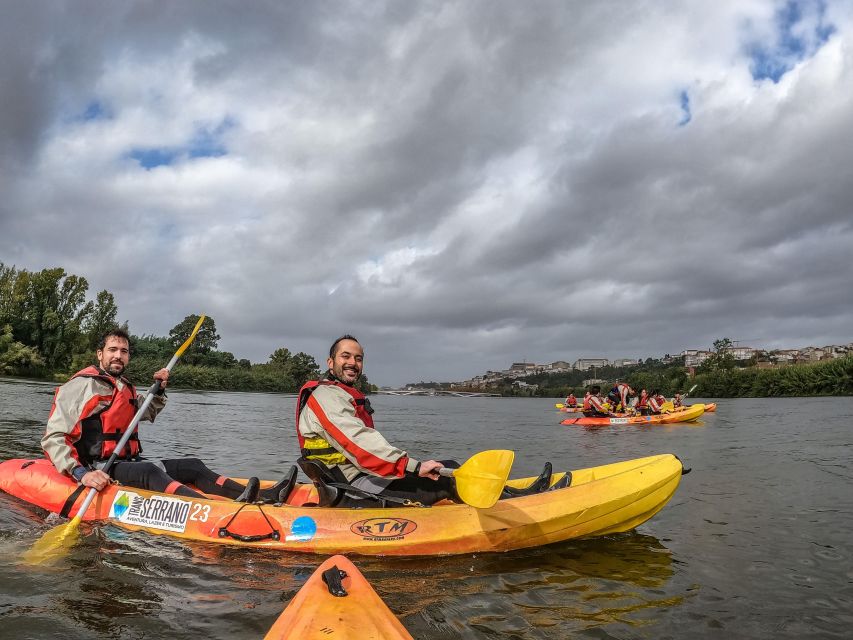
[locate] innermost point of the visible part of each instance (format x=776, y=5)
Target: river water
x=756, y=542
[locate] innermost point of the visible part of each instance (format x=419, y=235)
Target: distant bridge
x=435, y=392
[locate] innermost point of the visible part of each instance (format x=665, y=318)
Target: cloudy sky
x=459, y=184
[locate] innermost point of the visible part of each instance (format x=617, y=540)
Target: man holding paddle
x=334, y=424
x=93, y=410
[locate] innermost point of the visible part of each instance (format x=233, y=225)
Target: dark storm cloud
x=459, y=184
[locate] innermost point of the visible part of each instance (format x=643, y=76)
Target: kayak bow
x=331, y=606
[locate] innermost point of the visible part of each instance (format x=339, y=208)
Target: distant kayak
x=597, y=501
x=567, y=407
x=330, y=605
x=687, y=414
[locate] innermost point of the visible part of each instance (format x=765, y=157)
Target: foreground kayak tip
x=337, y=601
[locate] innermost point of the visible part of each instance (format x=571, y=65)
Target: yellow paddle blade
x=49, y=546
x=481, y=479
x=667, y=407
x=559, y=405
x=189, y=340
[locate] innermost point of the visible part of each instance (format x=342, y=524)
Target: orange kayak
x=598, y=501
x=357, y=612
x=688, y=414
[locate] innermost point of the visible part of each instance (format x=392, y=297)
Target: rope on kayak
x=273, y=534
x=70, y=500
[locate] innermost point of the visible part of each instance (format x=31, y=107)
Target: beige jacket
x=73, y=403
x=330, y=414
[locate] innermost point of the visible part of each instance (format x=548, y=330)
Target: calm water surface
x=756, y=542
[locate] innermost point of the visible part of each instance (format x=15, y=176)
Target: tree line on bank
x=49, y=330
x=721, y=376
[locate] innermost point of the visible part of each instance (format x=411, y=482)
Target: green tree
x=204, y=342
x=8, y=307
x=15, y=357
x=53, y=313
x=300, y=366
x=102, y=318
x=721, y=358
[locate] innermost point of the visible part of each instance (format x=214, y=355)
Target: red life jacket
x=101, y=432
x=643, y=402
x=587, y=405
x=363, y=410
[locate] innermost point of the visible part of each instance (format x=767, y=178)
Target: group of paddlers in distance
x=618, y=402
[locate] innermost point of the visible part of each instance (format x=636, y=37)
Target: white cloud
x=461, y=185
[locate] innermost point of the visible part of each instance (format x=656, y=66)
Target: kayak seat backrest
x=290, y=478
x=322, y=478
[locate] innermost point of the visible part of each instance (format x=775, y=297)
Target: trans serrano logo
x=156, y=512
x=383, y=528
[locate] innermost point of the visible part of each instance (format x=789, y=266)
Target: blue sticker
x=302, y=529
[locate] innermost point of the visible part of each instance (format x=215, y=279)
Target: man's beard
x=343, y=377
x=111, y=369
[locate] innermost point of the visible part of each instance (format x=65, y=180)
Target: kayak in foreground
x=336, y=606
x=598, y=501
x=688, y=414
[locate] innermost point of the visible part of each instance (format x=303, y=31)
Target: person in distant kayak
x=618, y=396
x=571, y=401
x=643, y=403
x=656, y=401
x=92, y=411
x=334, y=425
x=594, y=405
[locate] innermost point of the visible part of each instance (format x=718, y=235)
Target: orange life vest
x=101, y=432
x=363, y=411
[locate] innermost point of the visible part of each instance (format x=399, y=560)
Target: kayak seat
x=279, y=492
x=322, y=477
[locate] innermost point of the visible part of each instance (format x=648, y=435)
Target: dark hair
x=116, y=332
x=595, y=389
x=334, y=348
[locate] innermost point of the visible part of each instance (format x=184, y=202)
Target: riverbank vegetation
x=49, y=330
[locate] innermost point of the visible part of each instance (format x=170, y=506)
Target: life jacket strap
x=70, y=500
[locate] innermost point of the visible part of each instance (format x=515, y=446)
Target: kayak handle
x=223, y=532
x=332, y=577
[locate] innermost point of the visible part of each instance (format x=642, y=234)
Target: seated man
x=571, y=401
x=594, y=405
x=334, y=423
x=92, y=411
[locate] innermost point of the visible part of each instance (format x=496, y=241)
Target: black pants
x=144, y=474
x=414, y=488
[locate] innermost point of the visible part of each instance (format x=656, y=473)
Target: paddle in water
x=61, y=538
x=481, y=479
